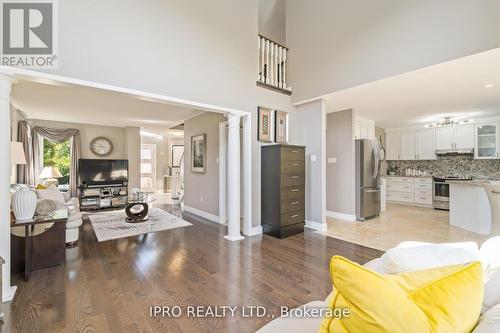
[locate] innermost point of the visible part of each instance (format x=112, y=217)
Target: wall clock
x=101, y=146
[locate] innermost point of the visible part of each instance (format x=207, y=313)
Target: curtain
x=26, y=173
x=57, y=135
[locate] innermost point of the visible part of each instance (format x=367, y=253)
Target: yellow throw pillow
x=41, y=187
x=438, y=300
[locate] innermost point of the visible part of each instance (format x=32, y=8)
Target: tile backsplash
x=461, y=165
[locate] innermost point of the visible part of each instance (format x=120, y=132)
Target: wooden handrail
x=269, y=39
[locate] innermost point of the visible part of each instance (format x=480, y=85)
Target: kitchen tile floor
x=401, y=223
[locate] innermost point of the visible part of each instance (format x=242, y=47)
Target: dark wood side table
x=39, y=250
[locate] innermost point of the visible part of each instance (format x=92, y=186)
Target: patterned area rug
x=112, y=225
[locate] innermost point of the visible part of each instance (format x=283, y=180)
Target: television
x=102, y=172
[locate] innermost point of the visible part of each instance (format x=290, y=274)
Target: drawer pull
x=295, y=177
x=294, y=190
x=294, y=203
x=295, y=164
x=294, y=151
x=294, y=215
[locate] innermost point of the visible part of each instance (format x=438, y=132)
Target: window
x=58, y=155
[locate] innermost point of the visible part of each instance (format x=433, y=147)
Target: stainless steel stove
x=441, y=191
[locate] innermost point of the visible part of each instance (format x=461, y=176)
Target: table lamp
x=49, y=175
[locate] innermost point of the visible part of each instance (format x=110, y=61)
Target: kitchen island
x=469, y=206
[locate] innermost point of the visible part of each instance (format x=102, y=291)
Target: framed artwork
x=198, y=153
x=177, y=153
x=281, y=126
x=264, y=126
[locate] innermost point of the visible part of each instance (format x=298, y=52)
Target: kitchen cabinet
x=408, y=145
x=445, y=137
x=364, y=128
x=426, y=144
x=393, y=146
x=464, y=137
x=410, y=190
x=455, y=137
x=486, y=141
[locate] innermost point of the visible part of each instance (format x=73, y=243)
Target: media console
x=103, y=196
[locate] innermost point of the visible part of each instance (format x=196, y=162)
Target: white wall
x=336, y=44
x=311, y=133
x=272, y=20
x=203, y=51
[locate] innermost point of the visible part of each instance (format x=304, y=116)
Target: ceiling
x=79, y=104
x=455, y=88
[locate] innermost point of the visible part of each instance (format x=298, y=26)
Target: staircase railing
x=272, y=65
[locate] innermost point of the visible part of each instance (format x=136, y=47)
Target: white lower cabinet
x=410, y=190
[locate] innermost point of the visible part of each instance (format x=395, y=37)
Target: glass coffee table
x=140, y=215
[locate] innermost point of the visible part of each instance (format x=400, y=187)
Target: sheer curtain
x=34, y=139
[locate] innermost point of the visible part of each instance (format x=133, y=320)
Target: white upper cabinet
x=408, y=145
x=364, y=128
x=455, y=137
x=426, y=144
x=464, y=137
x=445, y=137
x=393, y=146
x=486, y=141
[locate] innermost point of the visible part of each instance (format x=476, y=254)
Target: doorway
x=148, y=167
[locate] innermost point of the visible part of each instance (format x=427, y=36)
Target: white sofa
x=489, y=321
x=74, y=220
x=62, y=199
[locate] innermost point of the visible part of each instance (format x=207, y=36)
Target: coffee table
x=141, y=215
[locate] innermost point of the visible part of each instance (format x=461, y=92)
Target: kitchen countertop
x=390, y=176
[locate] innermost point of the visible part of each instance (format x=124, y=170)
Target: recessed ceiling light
x=489, y=85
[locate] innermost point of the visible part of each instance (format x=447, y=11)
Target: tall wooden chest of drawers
x=283, y=190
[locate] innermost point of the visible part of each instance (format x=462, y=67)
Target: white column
x=233, y=178
x=5, y=170
x=247, y=176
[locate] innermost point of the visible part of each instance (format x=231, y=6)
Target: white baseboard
x=8, y=295
x=254, y=231
x=316, y=225
x=342, y=216
x=201, y=213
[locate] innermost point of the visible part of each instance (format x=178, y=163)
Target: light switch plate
x=313, y=158
x=332, y=160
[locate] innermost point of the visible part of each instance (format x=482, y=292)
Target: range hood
x=455, y=151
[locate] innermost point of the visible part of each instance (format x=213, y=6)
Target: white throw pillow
x=401, y=260
x=491, y=289
x=51, y=193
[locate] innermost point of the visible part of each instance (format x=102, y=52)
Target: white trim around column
x=316, y=225
x=341, y=216
x=248, y=230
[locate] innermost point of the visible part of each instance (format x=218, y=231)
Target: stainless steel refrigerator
x=368, y=158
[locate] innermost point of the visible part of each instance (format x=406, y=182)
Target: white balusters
x=272, y=63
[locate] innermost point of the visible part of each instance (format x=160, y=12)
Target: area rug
x=112, y=225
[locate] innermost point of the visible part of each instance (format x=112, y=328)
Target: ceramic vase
x=24, y=204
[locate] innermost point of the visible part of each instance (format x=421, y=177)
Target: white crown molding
x=341, y=216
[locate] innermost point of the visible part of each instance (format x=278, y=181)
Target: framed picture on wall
x=264, y=126
x=281, y=127
x=198, y=153
x=177, y=153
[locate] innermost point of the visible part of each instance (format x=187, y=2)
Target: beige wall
x=311, y=134
x=337, y=44
x=126, y=143
x=272, y=20
x=88, y=133
x=198, y=185
x=340, y=182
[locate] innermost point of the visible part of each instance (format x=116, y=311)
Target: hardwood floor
x=109, y=286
